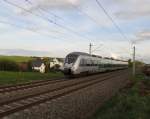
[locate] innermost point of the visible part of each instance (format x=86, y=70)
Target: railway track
x=24, y=84
x=11, y=88
x=28, y=85
x=16, y=94
x=59, y=86
x=14, y=105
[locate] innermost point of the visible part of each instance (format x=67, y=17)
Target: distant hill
x=16, y=58
x=22, y=52
x=20, y=55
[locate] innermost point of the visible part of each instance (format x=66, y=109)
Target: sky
x=55, y=28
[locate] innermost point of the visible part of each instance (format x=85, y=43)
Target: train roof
x=86, y=54
x=80, y=53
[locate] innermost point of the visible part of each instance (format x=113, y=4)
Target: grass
x=132, y=102
x=16, y=58
x=7, y=78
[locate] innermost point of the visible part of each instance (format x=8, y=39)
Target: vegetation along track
x=26, y=102
x=5, y=89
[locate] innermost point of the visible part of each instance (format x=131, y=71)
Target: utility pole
x=133, y=60
x=90, y=48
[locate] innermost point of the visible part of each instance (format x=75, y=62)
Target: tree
x=29, y=65
x=8, y=65
x=130, y=63
x=46, y=61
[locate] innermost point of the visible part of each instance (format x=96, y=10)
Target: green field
x=132, y=102
x=16, y=58
x=7, y=78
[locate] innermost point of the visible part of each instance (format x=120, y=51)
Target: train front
x=69, y=64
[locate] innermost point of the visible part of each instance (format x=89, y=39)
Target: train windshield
x=71, y=58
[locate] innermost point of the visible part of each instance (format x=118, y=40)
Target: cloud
x=142, y=36
x=131, y=9
x=51, y=4
x=114, y=55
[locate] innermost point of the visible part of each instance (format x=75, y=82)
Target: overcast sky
x=57, y=27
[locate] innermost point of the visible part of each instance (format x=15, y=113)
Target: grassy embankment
x=7, y=78
x=132, y=102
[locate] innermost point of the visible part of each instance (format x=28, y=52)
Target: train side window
x=95, y=63
x=84, y=62
x=99, y=62
x=88, y=63
x=81, y=62
x=92, y=62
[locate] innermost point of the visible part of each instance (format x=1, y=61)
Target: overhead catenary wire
x=34, y=30
x=96, y=49
x=74, y=7
x=47, y=19
x=48, y=12
x=95, y=21
x=17, y=26
x=86, y=14
x=55, y=15
x=111, y=19
x=28, y=29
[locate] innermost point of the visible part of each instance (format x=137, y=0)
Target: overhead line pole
x=90, y=49
x=134, y=60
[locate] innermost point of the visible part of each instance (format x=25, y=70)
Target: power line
x=84, y=13
x=49, y=12
x=111, y=19
x=25, y=28
x=95, y=21
x=47, y=19
x=33, y=30
x=46, y=11
x=97, y=48
x=75, y=7
x=17, y=26
x=59, y=17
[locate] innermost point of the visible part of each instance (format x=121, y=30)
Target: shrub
x=29, y=63
x=8, y=65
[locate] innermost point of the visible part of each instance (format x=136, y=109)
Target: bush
x=8, y=65
x=56, y=67
x=29, y=63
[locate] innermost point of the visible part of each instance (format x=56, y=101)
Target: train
x=78, y=63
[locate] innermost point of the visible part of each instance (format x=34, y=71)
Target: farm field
x=132, y=102
x=16, y=58
x=7, y=78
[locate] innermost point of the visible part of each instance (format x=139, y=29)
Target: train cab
x=69, y=63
